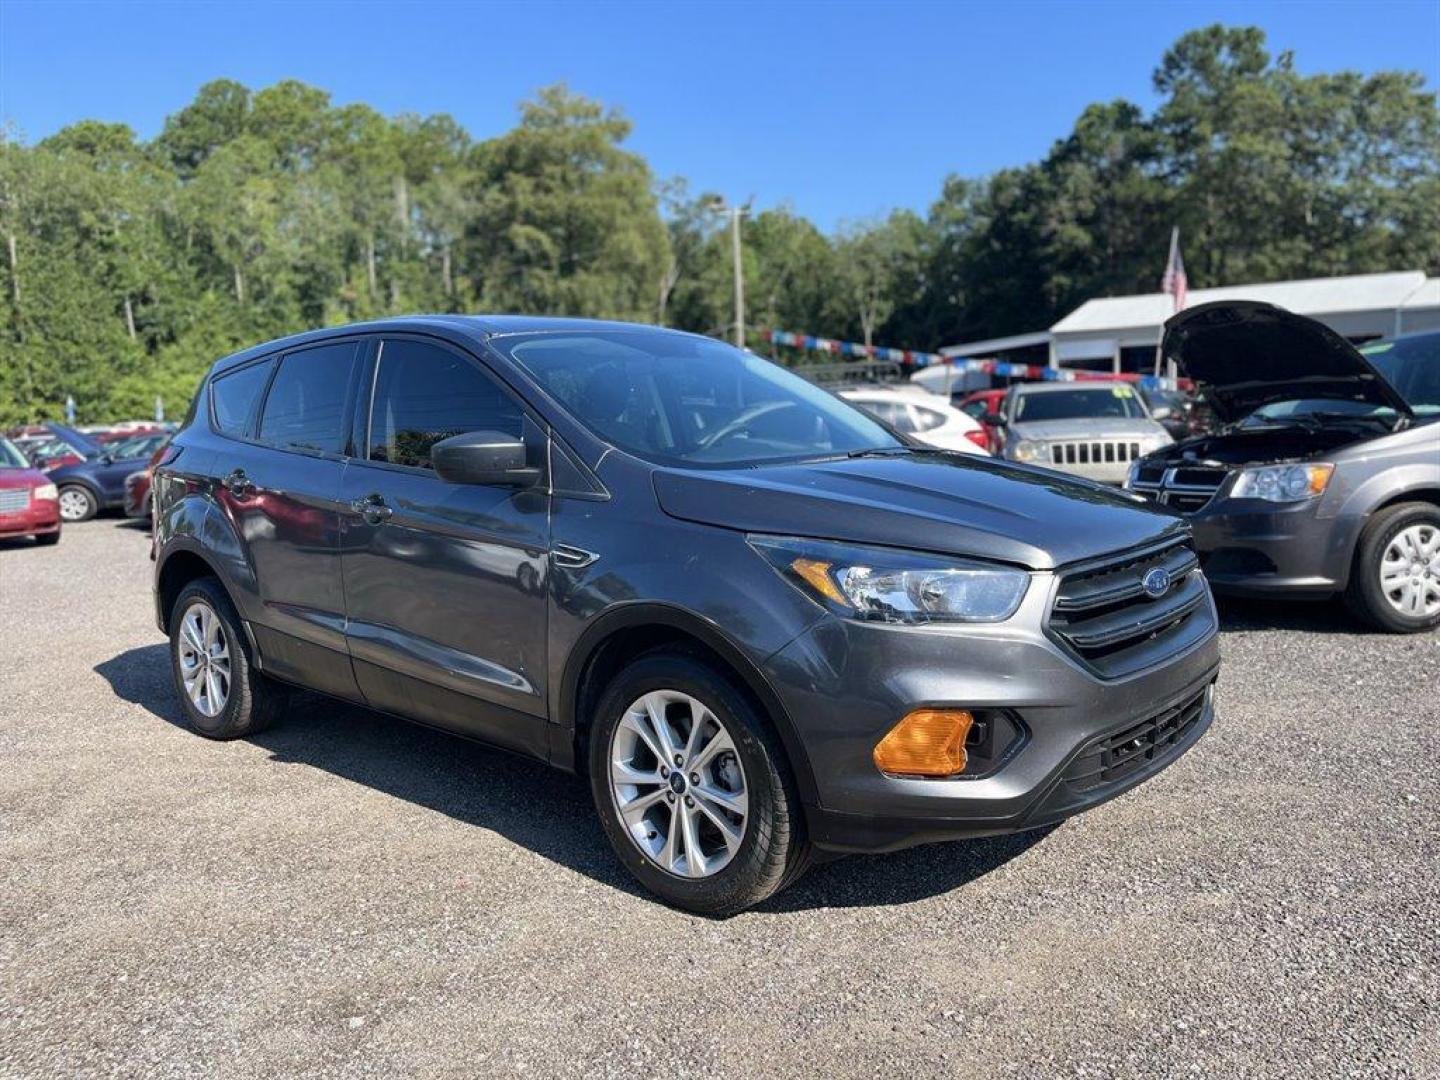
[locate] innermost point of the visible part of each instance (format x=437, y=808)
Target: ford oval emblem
x=1156, y=582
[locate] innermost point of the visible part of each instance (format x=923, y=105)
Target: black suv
x=759, y=620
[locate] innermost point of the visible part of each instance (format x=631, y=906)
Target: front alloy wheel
x=692, y=784
x=678, y=784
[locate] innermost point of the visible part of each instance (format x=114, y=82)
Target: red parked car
x=137, y=485
x=29, y=502
x=979, y=405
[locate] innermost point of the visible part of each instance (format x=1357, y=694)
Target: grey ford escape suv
x=761, y=622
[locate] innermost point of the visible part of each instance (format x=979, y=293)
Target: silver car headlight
x=1282, y=483
x=1027, y=450
x=894, y=586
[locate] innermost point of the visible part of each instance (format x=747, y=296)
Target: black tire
x=252, y=702
x=48, y=539
x=77, y=492
x=1365, y=596
x=773, y=852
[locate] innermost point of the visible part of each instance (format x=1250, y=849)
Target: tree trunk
x=15, y=285
x=130, y=318
x=370, y=263
x=446, y=275
x=402, y=204
x=668, y=281
x=239, y=284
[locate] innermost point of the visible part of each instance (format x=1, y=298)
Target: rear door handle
x=238, y=484
x=372, y=508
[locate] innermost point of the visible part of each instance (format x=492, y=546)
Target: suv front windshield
x=1067, y=404
x=676, y=399
x=10, y=457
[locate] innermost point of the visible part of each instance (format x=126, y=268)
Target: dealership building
x=1121, y=333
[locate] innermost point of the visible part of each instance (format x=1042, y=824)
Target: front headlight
x=1027, y=450
x=889, y=585
x=45, y=492
x=1282, y=483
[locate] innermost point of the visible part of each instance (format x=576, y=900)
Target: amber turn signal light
x=927, y=742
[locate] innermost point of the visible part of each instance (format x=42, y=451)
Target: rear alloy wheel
x=77, y=503
x=692, y=786
x=1395, y=584
x=221, y=693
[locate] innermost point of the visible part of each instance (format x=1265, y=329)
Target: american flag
x=1174, y=282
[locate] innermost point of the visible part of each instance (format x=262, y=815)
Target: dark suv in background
x=1325, y=476
x=756, y=618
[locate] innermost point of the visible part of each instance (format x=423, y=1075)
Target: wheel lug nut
x=664, y=772
x=694, y=778
x=689, y=801
x=669, y=796
x=679, y=760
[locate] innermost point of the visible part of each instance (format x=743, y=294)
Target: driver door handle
x=372, y=508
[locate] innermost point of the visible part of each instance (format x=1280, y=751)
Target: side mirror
x=992, y=420
x=484, y=457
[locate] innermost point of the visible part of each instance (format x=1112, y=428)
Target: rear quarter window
x=234, y=395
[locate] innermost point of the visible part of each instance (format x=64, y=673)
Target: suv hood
x=1247, y=354
x=952, y=503
x=1091, y=427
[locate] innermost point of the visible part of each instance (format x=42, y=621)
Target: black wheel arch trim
x=642, y=614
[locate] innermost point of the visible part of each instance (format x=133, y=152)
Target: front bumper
x=41, y=518
x=1250, y=547
x=844, y=684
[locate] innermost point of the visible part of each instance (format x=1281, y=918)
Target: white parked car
x=928, y=417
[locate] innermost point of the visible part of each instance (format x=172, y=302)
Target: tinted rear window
x=234, y=397
x=305, y=409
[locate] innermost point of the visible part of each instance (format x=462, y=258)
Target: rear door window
x=305, y=409
x=425, y=393
x=233, y=397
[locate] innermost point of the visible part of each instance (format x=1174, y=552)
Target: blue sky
x=842, y=110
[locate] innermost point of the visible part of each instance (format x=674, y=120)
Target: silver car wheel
x=204, y=659
x=677, y=784
x=74, y=505
x=1410, y=571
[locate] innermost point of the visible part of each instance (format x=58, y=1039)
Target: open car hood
x=1247, y=354
x=78, y=439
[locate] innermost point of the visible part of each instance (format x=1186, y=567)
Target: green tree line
x=127, y=266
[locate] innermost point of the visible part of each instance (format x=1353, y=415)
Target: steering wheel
x=739, y=423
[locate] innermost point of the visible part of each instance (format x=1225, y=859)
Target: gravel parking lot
x=350, y=895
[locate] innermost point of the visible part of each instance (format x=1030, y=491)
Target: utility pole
x=719, y=206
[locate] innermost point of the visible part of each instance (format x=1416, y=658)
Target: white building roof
x=999, y=344
x=1363, y=292
x=1426, y=296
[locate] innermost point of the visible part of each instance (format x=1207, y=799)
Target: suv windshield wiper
x=882, y=451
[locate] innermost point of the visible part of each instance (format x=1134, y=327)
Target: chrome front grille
x=1184, y=489
x=14, y=499
x=1093, y=452
x=1103, y=615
